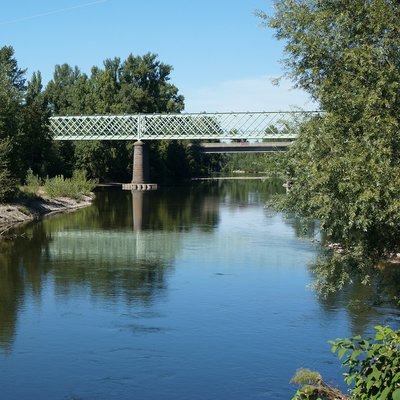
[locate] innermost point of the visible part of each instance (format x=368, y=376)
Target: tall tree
x=345, y=166
x=144, y=86
x=66, y=95
x=8, y=184
x=35, y=142
x=67, y=91
x=9, y=67
x=12, y=87
x=103, y=89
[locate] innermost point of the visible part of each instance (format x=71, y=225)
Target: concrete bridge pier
x=141, y=169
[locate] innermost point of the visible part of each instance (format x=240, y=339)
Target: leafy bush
x=373, y=369
x=74, y=187
x=373, y=365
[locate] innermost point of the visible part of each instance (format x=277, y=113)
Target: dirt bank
x=26, y=210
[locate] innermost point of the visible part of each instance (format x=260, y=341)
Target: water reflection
x=200, y=289
x=121, y=247
x=124, y=247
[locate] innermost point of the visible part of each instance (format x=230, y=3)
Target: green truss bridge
x=253, y=127
x=203, y=126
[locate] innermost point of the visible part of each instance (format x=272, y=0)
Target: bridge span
x=203, y=126
x=243, y=126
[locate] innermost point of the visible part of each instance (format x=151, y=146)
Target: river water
x=196, y=292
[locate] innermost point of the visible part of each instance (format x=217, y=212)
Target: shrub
x=32, y=184
x=74, y=187
x=373, y=365
x=314, y=388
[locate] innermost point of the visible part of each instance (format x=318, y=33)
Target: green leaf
x=396, y=377
x=355, y=354
x=341, y=353
x=385, y=393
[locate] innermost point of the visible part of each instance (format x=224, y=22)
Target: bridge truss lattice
x=202, y=126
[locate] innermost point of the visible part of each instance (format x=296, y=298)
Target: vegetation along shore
x=38, y=198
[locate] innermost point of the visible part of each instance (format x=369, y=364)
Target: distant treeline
x=139, y=84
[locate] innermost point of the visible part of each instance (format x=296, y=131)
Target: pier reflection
x=138, y=210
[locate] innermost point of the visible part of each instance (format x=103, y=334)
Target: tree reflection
x=120, y=249
x=306, y=228
x=343, y=280
x=348, y=281
x=11, y=297
x=180, y=209
x=250, y=192
x=116, y=249
x=21, y=274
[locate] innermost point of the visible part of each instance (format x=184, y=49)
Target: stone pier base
x=139, y=186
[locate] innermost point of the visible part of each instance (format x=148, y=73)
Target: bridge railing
x=203, y=126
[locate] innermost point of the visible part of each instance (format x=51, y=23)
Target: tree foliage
x=270, y=164
x=139, y=84
x=344, y=167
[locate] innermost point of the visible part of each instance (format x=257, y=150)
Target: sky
x=223, y=59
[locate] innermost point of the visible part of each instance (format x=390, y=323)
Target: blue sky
x=223, y=60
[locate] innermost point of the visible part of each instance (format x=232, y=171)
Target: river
x=195, y=292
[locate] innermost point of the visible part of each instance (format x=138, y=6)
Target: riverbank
x=29, y=209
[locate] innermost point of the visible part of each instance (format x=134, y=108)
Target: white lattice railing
x=241, y=125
